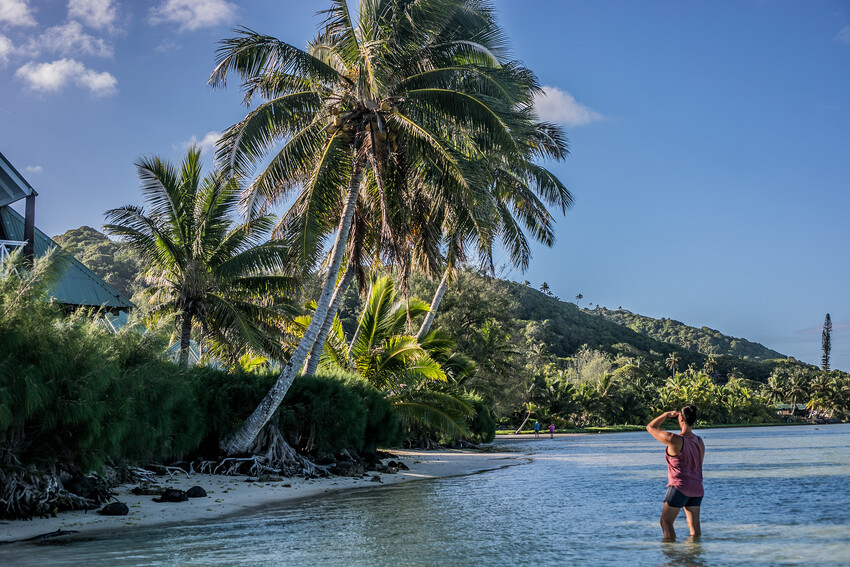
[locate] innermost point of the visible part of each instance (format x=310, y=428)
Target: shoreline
x=503, y=434
x=229, y=496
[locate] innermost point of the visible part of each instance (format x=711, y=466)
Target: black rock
x=172, y=495
x=391, y=470
x=114, y=509
x=348, y=468
x=376, y=478
x=196, y=492
x=402, y=466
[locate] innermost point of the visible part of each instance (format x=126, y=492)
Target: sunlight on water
x=774, y=496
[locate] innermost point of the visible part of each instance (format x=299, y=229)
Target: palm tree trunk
x=185, y=337
x=357, y=330
x=435, y=304
x=524, y=421
x=240, y=440
x=319, y=345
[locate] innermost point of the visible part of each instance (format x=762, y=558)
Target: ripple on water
x=774, y=496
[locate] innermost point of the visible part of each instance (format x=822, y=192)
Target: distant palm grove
x=404, y=143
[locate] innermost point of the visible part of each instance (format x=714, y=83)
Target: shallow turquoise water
x=774, y=496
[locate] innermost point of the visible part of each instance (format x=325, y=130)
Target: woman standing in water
x=685, y=452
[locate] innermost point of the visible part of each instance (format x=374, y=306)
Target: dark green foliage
x=483, y=425
x=73, y=395
x=383, y=429
x=115, y=263
x=322, y=414
x=225, y=398
x=328, y=413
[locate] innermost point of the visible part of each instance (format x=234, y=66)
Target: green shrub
x=383, y=429
x=323, y=414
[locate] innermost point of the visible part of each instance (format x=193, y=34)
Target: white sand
x=227, y=495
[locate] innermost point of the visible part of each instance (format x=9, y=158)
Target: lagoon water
x=774, y=496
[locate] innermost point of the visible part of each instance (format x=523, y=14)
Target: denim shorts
x=676, y=499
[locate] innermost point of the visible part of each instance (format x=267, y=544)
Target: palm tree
x=710, y=363
x=774, y=389
x=795, y=390
x=579, y=297
x=412, y=374
x=409, y=98
x=200, y=265
x=673, y=362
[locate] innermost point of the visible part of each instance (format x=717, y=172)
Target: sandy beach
x=228, y=495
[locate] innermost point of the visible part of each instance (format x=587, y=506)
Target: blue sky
x=709, y=140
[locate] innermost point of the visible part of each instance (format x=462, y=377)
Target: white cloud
x=207, y=143
x=52, y=77
x=7, y=48
x=844, y=35
x=98, y=14
x=16, y=13
x=193, y=14
x=70, y=39
x=559, y=106
x=167, y=46
x=33, y=169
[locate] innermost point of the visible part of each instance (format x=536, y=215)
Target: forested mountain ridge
x=114, y=263
x=704, y=340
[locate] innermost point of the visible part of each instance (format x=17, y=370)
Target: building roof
x=13, y=186
x=78, y=285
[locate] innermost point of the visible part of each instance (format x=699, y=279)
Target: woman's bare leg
x=668, y=516
x=692, y=515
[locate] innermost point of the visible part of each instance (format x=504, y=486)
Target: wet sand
x=229, y=495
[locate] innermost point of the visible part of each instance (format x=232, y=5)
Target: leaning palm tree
x=411, y=95
x=200, y=265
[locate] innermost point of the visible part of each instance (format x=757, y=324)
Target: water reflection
x=687, y=553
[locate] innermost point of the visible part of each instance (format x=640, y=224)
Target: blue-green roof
x=78, y=285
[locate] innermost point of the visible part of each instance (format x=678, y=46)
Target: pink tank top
x=684, y=471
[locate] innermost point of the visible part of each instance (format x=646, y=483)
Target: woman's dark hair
x=690, y=414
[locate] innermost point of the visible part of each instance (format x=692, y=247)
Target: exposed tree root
x=26, y=493
x=269, y=454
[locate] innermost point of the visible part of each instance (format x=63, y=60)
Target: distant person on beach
x=685, y=453
x=551, y=431
x=536, y=429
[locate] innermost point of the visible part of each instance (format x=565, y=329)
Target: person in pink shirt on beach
x=551, y=431
x=684, y=452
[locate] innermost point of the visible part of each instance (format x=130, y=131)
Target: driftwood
x=40, y=537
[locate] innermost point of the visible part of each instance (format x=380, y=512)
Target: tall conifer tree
x=826, y=342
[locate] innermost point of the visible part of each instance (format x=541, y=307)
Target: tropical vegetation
x=201, y=266
x=402, y=129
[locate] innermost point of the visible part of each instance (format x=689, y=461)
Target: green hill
x=106, y=258
x=703, y=340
